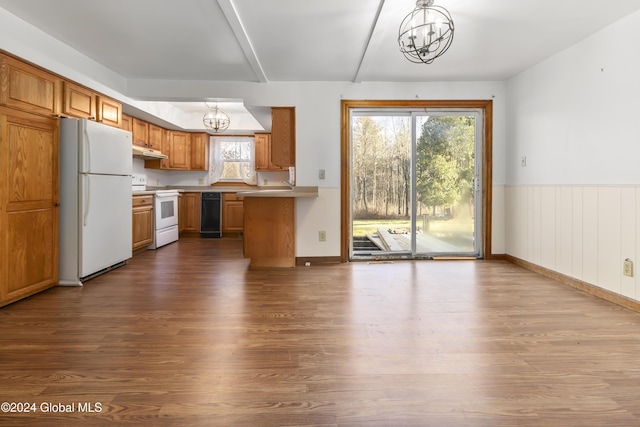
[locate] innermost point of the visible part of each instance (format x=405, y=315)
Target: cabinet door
x=126, y=123
x=263, y=151
x=28, y=88
x=78, y=102
x=179, y=150
x=232, y=216
x=180, y=213
x=29, y=204
x=283, y=136
x=200, y=151
x=140, y=131
x=155, y=137
x=109, y=111
x=191, y=212
x=142, y=226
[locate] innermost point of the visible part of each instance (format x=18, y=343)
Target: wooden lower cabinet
x=29, y=204
x=191, y=212
x=232, y=213
x=142, y=221
x=269, y=231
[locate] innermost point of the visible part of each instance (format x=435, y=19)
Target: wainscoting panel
x=590, y=235
x=584, y=232
x=609, y=239
x=577, y=236
x=628, y=231
x=564, y=224
x=548, y=231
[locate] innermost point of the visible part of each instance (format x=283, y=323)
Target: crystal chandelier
x=426, y=33
x=215, y=119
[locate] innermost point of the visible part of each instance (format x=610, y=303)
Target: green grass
x=362, y=227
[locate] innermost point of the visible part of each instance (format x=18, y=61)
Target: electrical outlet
x=322, y=236
x=201, y=181
x=321, y=174
x=523, y=161
x=627, y=268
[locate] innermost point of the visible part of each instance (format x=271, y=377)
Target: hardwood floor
x=187, y=336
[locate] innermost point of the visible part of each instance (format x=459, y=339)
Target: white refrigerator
x=95, y=199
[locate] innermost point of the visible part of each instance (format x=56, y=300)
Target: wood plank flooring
x=188, y=336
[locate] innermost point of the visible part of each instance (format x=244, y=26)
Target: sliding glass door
x=415, y=187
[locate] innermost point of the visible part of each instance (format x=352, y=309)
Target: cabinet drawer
x=231, y=196
x=142, y=200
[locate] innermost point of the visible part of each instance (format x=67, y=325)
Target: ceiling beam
x=376, y=34
x=235, y=23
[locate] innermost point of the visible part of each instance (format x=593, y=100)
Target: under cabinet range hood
x=147, y=153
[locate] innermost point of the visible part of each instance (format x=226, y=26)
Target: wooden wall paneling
x=548, y=230
x=536, y=225
x=564, y=228
x=609, y=238
x=590, y=235
x=578, y=234
x=628, y=215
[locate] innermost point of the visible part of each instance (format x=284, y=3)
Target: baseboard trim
x=577, y=284
x=318, y=260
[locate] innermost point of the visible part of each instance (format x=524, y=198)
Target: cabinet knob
x=57, y=205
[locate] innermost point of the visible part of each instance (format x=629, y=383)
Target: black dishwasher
x=211, y=215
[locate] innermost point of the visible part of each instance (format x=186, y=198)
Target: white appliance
x=165, y=207
x=95, y=199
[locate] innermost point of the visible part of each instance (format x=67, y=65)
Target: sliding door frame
x=487, y=154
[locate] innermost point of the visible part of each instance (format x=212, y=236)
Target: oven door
x=166, y=210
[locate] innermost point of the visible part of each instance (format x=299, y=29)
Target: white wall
x=575, y=207
x=317, y=119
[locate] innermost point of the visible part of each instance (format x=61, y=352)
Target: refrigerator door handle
x=87, y=143
x=87, y=197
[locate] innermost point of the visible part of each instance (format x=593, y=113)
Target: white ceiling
x=308, y=40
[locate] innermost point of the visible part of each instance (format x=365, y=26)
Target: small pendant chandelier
x=426, y=33
x=215, y=119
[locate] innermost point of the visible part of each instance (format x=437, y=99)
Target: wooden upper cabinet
x=200, y=151
x=263, y=153
x=27, y=88
x=78, y=101
x=156, y=135
x=140, y=131
x=126, y=122
x=179, y=150
x=283, y=136
x=109, y=111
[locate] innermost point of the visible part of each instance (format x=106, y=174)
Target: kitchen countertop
x=281, y=192
x=272, y=191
